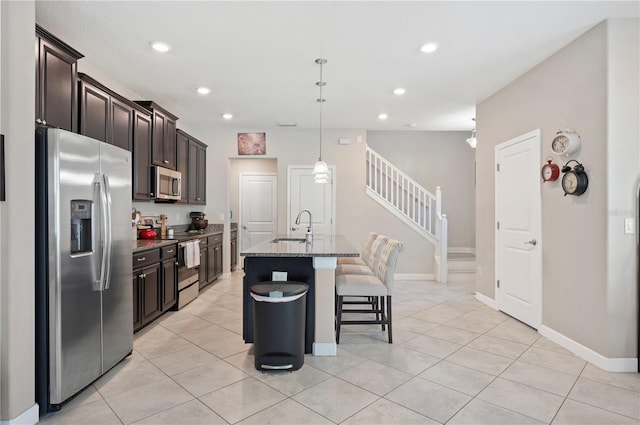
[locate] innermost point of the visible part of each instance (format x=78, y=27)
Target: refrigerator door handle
x=99, y=285
x=108, y=227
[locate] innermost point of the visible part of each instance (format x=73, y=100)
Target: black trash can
x=279, y=311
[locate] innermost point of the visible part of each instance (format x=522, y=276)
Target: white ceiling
x=258, y=57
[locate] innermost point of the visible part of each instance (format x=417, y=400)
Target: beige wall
x=17, y=278
x=356, y=213
x=572, y=89
x=437, y=158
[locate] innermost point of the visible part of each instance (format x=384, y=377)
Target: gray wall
x=585, y=292
x=437, y=158
x=17, y=277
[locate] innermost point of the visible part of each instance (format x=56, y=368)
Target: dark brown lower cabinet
x=150, y=284
x=169, y=284
x=234, y=249
x=155, y=284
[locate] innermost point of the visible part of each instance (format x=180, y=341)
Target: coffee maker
x=198, y=223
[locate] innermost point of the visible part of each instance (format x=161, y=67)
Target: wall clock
x=575, y=180
x=566, y=142
x=550, y=171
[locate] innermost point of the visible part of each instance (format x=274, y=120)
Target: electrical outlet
x=221, y=216
x=629, y=225
x=278, y=276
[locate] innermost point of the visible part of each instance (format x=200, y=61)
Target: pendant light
x=320, y=169
x=472, y=141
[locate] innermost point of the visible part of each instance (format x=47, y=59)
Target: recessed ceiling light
x=429, y=47
x=203, y=90
x=227, y=116
x=159, y=46
x=383, y=116
x=399, y=91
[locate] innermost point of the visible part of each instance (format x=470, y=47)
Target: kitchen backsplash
x=176, y=213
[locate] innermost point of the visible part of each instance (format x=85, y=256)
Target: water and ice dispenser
x=81, y=217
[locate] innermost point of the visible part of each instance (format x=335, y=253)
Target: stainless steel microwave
x=168, y=184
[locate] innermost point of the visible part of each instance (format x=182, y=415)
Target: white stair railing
x=410, y=202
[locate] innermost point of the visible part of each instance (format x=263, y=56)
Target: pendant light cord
x=321, y=100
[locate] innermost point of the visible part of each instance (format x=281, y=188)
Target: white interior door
x=258, y=209
x=518, y=229
x=318, y=198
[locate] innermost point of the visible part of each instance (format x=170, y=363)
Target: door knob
x=244, y=227
x=293, y=229
x=532, y=242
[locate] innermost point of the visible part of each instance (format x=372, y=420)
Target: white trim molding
x=29, y=416
x=487, y=301
x=461, y=250
x=604, y=363
x=325, y=349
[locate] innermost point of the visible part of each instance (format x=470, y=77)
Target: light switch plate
x=344, y=141
x=278, y=276
x=629, y=225
x=221, y=216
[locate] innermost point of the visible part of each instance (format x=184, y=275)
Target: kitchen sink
x=288, y=240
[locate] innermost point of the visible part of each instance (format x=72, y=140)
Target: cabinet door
x=94, y=112
x=202, y=271
x=137, y=313
x=217, y=269
x=151, y=301
x=121, y=123
x=169, y=159
x=169, y=284
x=157, y=146
x=56, y=87
x=202, y=174
x=141, y=157
x=211, y=263
x=234, y=250
x=182, y=161
x=197, y=173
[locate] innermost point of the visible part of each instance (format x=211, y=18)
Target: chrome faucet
x=309, y=229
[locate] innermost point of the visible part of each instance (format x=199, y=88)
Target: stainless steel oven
x=188, y=267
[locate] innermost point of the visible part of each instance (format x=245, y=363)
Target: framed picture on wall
x=252, y=144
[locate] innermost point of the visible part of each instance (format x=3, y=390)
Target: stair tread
x=461, y=256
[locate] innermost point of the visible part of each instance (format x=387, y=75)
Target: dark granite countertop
x=144, y=244
x=322, y=246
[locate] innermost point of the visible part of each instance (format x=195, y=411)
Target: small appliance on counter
x=198, y=222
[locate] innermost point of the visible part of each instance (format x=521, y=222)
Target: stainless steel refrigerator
x=84, y=295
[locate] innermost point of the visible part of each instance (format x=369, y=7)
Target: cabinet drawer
x=169, y=251
x=234, y=234
x=145, y=258
x=215, y=239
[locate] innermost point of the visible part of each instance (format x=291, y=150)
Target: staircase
x=411, y=203
x=461, y=266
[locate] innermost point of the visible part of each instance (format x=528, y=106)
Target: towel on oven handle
x=192, y=254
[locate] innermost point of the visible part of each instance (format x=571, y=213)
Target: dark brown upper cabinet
x=197, y=183
x=192, y=163
x=141, y=185
x=182, y=162
x=56, y=69
x=104, y=114
x=163, y=144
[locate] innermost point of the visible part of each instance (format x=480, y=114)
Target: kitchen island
x=314, y=264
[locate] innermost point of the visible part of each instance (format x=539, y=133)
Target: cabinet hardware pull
x=39, y=121
x=197, y=199
x=166, y=161
x=142, y=258
x=169, y=251
x=143, y=275
x=44, y=122
x=177, y=264
x=151, y=194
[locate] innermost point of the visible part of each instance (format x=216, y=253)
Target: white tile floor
x=453, y=361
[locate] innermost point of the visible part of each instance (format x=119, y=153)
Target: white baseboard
x=604, y=363
x=461, y=250
x=413, y=276
x=225, y=276
x=487, y=301
x=325, y=349
x=29, y=416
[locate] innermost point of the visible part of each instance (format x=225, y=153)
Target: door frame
x=332, y=168
x=240, y=226
x=536, y=135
